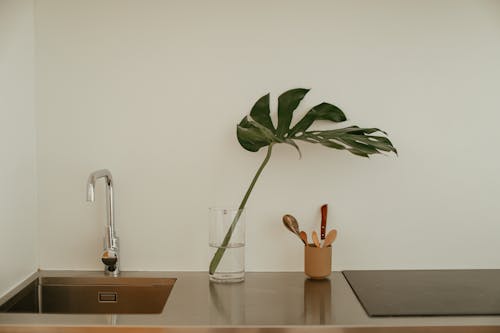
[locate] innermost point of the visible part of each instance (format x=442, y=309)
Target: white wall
x=18, y=211
x=153, y=90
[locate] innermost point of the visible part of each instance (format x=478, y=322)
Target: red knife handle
x=324, y=213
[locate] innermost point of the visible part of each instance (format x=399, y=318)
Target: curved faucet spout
x=90, y=191
x=103, y=173
x=111, y=241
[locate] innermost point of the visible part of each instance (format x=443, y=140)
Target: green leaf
x=260, y=112
x=350, y=130
x=358, y=152
x=250, y=137
x=379, y=142
x=256, y=130
x=365, y=148
x=331, y=144
x=359, y=144
x=287, y=103
x=266, y=132
x=317, y=138
x=323, y=111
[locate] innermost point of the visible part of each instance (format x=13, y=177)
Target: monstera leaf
x=256, y=131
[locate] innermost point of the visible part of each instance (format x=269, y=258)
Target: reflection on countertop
x=276, y=300
x=231, y=304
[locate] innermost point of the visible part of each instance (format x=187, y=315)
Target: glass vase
x=227, y=244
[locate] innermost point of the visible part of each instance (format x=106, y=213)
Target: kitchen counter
x=285, y=302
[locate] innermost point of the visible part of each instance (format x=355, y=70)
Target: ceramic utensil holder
x=317, y=261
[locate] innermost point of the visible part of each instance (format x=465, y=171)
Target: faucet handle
x=110, y=259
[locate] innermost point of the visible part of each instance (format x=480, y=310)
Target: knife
x=324, y=213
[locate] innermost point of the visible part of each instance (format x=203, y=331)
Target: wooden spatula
x=315, y=239
x=332, y=234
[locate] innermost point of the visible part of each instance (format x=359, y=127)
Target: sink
x=91, y=294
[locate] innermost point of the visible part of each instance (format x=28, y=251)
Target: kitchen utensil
x=303, y=236
x=291, y=224
x=330, y=237
x=324, y=213
x=315, y=238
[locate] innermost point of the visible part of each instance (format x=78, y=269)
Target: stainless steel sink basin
x=88, y=294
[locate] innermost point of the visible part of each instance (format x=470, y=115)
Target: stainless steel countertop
x=264, y=300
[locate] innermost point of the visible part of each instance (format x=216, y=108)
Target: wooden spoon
x=291, y=224
x=330, y=237
x=303, y=236
x=315, y=238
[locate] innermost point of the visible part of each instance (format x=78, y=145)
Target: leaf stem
x=222, y=248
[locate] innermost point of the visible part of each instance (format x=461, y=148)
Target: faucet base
x=110, y=260
x=109, y=272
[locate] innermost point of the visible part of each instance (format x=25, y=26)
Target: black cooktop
x=427, y=292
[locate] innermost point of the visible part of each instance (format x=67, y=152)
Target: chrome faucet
x=110, y=255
